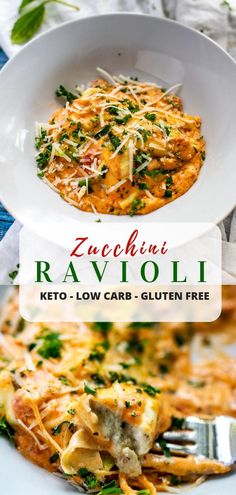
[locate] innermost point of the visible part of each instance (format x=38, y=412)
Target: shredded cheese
x=118, y=184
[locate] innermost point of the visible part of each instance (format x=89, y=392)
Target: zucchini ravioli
x=88, y=401
x=122, y=147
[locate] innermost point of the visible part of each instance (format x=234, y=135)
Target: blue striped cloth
x=6, y=219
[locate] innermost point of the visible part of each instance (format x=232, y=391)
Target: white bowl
x=144, y=46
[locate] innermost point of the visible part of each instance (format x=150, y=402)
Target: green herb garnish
x=150, y=116
x=54, y=458
x=177, y=423
x=137, y=204
x=164, y=448
x=179, y=339
x=51, y=345
x=29, y=22
x=98, y=379
x=143, y=186
x=56, y=430
x=132, y=106
x=88, y=477
x=121, y=378
x=113, y=110
x=168, y=193
x=110, y=488
x=63, y=379
x=150, y=389
x=115, y=140
x=103, y=131
x=102, y=326
x=175, y=480
x=6, y=429
x=62, y=91
x=123, y=120
x=43, y=157
x=88, y=389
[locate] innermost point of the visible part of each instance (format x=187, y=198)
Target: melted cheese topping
x=89, y=400
x=122, y=147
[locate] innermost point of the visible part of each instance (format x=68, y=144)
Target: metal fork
x=215, y=439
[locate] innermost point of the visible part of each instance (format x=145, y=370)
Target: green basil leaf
x=27, y=25
x=23, y=4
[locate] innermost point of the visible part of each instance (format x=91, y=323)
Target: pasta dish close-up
x=89, y=402
x=120, y=146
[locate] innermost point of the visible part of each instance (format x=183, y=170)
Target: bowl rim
x=107, y=16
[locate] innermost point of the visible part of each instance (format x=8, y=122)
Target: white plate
x=150, y=48
x=21, y=477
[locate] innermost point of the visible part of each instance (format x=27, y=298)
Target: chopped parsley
x=175, y=480
x=150, y=389
x=110, y=488
x=43, y=157
x=56, y=430
x=20, y=325
x=164, y=368
x=98, y=379
x=169, y=181
x=177, y=423
x=62, y=91
x=113, y=110
x=127, y=404
x=123, y=120
x=115, y=141
x=203, y=155
x=102, y=326
x=143, y=186
x=150, y=116
x=179, y=339
x=40, y=140
x=121, y=378
x=63, y=136
x=132, y=106
x=154, y=173
x=165, y=128
x=168, y=193
x=104, y=171
x=164, y=448
x=51, y=345
x=54, y=458
x=72, y=411
x=88, y=389
x=136, y=345
x=63, y=379
x=141, y=324
x=12, y=275
x=125, y=366
x=145, y=133
x=103, y=131
x=137, y=204
x=88, y=477
x=98, y=352
x=6, y=429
